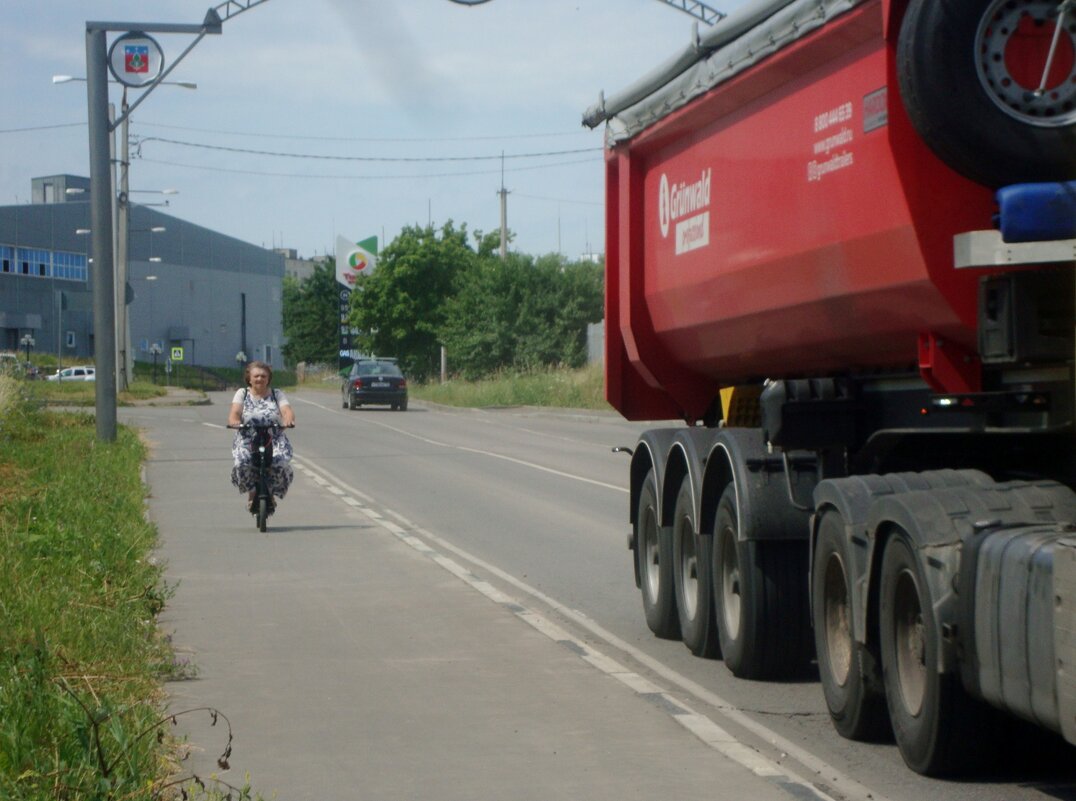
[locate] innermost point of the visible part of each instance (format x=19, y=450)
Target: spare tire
x=969, y=71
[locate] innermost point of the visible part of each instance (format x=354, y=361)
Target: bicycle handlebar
x=259, y=426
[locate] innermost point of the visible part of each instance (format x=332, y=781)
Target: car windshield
x=379, y=368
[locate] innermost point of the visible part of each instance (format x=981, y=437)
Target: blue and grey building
x=211, y=294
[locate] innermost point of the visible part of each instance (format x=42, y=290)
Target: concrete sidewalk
x=353, y=666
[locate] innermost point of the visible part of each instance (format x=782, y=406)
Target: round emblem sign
x=135, y=59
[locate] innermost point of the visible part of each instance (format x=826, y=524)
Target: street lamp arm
x=225, y=11
x=699, y=11
x=696, y=9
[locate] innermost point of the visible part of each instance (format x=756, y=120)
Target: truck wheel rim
x=910, y=642
x=836, y=621
x=689, y=569
x=1013, y=44
x=652, y=553
x=730, y=584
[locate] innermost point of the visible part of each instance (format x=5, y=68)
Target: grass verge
x=83, y=393
x=572, y=389
x=81, y=657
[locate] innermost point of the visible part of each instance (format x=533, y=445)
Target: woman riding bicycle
x=260, y=403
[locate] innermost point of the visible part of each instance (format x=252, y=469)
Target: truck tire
x=848, y=671
x=939, y=728
x=653, y=550
x=968, y=72
x=760, y=600
x=691, y=578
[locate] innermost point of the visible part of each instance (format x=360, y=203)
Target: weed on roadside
x=82, y=659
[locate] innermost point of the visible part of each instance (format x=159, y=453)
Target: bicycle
x=261, y=459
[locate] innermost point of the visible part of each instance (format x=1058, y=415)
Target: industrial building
x=188, y=287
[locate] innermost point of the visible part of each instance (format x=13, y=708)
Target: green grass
x=83, y=393
x=81, y=658
x=573, y=389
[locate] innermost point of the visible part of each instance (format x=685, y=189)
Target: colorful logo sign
x=358, y=261
x=136, y=58
x=354, y=259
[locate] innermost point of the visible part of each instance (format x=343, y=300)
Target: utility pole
x=504, y=213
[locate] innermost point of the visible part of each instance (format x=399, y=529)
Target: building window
x=70, y=266
x=38, y=263
x=34, y=261
x=69, y=340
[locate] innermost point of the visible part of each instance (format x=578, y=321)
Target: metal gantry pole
x=101, y=210
x=104, y=317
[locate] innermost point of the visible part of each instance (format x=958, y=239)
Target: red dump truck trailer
x=840, y=242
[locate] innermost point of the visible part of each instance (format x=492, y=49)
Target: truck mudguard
x=939, y=521
x=853, y=497
x=740, y=456
x=650, y=454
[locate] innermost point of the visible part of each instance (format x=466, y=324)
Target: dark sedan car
x=377, y=381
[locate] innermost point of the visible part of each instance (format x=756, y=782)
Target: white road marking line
x=492, y=455
x=701, y=726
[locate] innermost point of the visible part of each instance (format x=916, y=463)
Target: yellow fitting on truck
x=740, y=407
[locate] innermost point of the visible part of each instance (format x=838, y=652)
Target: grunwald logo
x=686, y=205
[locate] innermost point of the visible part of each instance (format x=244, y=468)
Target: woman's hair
x=256, y=366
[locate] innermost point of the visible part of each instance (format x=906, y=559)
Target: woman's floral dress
x=261, y=410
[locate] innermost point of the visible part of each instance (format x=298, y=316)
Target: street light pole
x=104, y=330
x=101, y=218
x=27, y=342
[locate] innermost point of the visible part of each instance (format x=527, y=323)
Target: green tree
x=400, y=308
x=522, y=313
x=480, y=328
x=311, y=312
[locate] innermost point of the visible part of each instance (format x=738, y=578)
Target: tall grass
x=573, y=389
x=80, y=655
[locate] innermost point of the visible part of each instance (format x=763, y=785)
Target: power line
x=367, y=159
x=43, y=127
x=337, y=176
x=317, y=138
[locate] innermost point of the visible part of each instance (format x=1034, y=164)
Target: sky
x=322, y=118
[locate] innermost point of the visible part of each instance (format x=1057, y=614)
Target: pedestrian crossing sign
x=177, y=354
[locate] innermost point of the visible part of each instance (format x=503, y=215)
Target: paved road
x=355, y=662
x=443, y=608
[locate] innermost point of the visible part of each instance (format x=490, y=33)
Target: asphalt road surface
x=443, y=607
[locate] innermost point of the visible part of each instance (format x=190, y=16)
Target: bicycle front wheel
x=262, y=510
